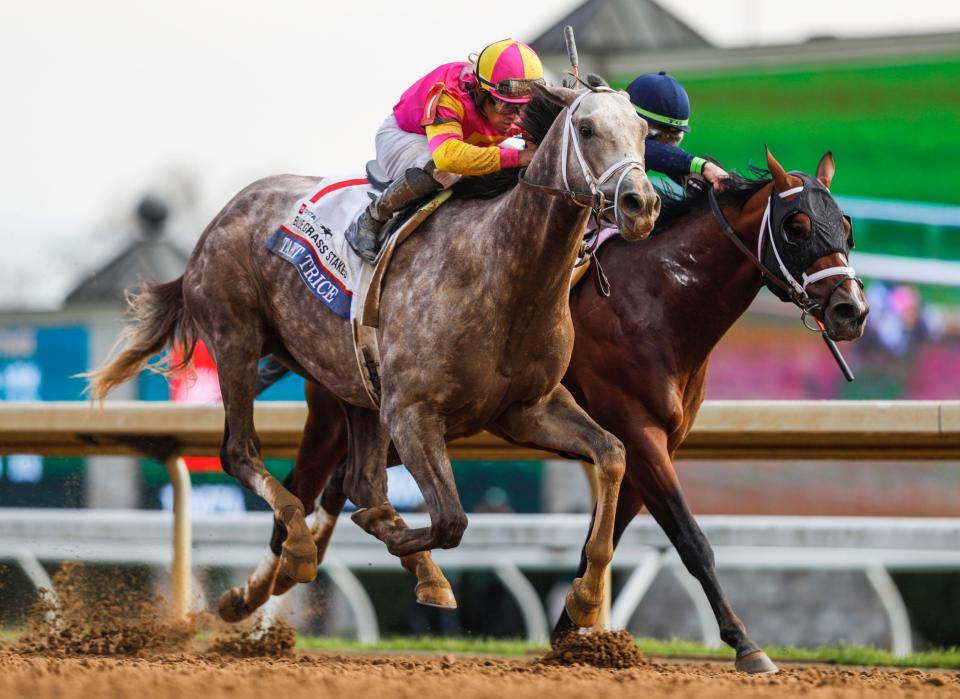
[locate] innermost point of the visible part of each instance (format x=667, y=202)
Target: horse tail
x=160, y=321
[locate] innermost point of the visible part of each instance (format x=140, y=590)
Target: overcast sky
x=104, y=99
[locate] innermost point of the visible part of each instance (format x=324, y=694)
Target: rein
x=586, y=249
x=805, y=303
x=796, y=293
x=582, y=199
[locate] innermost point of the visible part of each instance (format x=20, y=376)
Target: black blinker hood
x=827, y=234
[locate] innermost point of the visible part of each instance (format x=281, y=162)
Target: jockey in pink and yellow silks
x=448, y=124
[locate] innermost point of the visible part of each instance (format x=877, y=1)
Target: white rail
x=509, y=545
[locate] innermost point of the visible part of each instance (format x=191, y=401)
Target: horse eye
x=848, y=224
x=797, y=227
x=586, y=131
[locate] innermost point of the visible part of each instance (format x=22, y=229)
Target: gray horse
x=475, y=331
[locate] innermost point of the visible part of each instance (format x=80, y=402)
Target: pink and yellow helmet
x=507, y=70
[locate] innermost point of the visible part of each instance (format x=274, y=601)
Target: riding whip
x=835, y=351
x=572, y=50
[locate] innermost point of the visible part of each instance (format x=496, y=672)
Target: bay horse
x=639, y=367
x=475, y=331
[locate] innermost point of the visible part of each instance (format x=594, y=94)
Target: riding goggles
x=505, y=108
x=511, y=90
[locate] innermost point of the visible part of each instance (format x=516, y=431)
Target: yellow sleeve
x=450, y=152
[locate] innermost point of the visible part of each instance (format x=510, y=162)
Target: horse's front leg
x=557, y=423
x=364, y=480
x=652, y=470
x=418, y=435
x=628, y=505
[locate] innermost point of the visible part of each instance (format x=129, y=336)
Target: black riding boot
x=364, y=233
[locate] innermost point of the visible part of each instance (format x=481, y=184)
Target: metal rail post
x=180, y=566
x=603, y=621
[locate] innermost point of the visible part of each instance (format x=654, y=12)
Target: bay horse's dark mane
x=737, y=189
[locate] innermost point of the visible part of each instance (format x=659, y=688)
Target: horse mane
x=737, y=189
x=537, y=119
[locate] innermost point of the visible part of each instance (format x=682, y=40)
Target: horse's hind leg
x=559, y=424
x=237, y=357
x=331, y=503
x=309, y=474
x=238, y=603
x=367, y=488
x=323, y=449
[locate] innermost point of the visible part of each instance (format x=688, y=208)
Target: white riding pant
x=399, y=150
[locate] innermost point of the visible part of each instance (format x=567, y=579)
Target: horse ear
x=594, y=80
x=825, y=169
x=561, y=96
x=781, y=180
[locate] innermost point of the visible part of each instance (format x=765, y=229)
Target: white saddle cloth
x=312, y=240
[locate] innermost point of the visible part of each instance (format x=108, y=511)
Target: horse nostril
x=634, y=204
x=844, y=312
x=631, y=204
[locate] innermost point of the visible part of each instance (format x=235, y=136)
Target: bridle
x=788, y=288
x=799, y=291
x=595, y=199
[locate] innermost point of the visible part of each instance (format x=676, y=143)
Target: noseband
x=595, y=200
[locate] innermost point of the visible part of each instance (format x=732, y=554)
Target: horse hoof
x=300, y=566
x=436, y=594
x=232, y=607
x=283, y=584
x=582, y=612
x=756, y=663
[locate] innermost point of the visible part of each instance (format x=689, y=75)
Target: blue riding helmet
x=661, y=100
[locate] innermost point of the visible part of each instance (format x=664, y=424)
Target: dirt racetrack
x=96, y=640
x=318, y=676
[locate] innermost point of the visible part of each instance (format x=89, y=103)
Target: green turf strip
x=838, y=654
x=892, y=124
x=894, y=128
